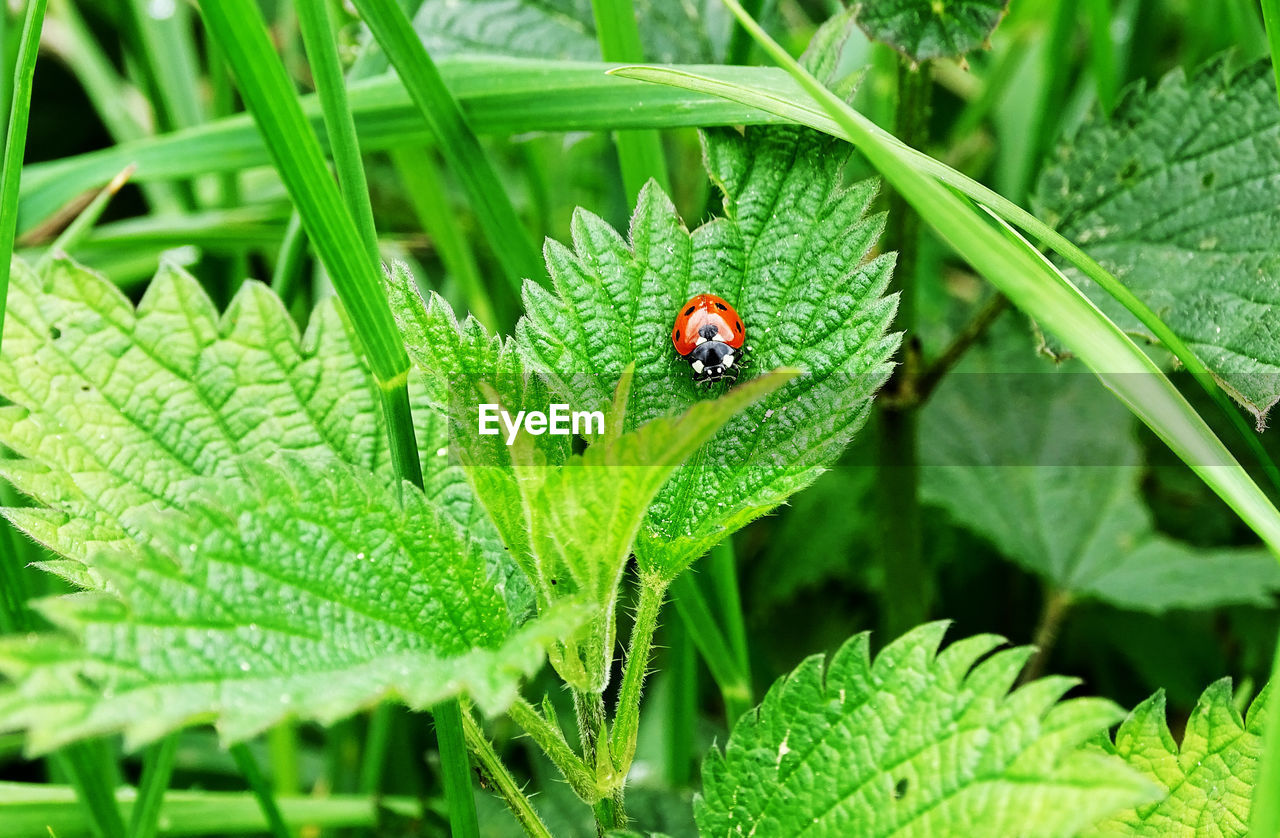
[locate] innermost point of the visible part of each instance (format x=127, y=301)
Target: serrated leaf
x=1206, y=782
x=569, y=520
x=671, y=30
x=791, y=256
x=1011, y=451
x=116, y=409
x=1175, y=195
x=925, y=29
x=293, y=590
x=916, y=742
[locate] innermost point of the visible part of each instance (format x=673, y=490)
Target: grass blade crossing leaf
x=916, y=742
x=1011, y=448
x=1023, y=275
x=1174, y=194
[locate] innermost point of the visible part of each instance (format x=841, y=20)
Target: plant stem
x=550, y=739
x=1056, y=605
x=593, y=735
x=907, y=586
x=497, y=775
x=973, y=330
x=248, y=767
x=626, y=722
x=456, y=769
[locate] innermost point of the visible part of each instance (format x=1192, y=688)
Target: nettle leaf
x=1207, y=782
x=570, y=520
x=123, y=418
x=116, y=410
x=917, y=742
x=672, y=31
x=791, y=256
x=295, y=589
x=925, y=29
x=1175, y=195
x=1013, y=451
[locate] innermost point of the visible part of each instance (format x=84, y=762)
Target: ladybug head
x=713, y=361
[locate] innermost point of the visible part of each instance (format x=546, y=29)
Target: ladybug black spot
x=722, y=306
x=688, y=311
x=738, y=325
x=675, y=333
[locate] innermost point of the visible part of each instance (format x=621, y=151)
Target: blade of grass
x=252, y=774
x=1102, y=57
x=639, y=152
x=94, y=777
x=317, y=36
x=1031, y=283
x=699, y=621
x=500, y=97
x=456, y=139
x=420, y=175
x=15, y=141
x=1264, y=815
x=29, y=810
x=721, y=568
x=682, y=704
x=157, y=770
x=83, y=224
x=238, y=28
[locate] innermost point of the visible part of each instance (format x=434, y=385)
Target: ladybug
x=709, y=335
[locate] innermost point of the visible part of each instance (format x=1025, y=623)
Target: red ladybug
x=709, y=335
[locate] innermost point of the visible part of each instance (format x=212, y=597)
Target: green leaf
x=116, y=409
x=300, y=589
x=916, y=742
x=1174, y=194
x=1009, y=451
x=1206, y=782
x=791, y=256
x=925, y=29
x=672, y=30
x=570, y=521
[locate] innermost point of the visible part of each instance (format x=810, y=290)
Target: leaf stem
x=252, y=773
x=498, y=775
x=1052, y=614
x=973, y=330
x=1264, y=815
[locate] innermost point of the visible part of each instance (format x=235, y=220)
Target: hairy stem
x=626, y=724
x=548, y=736
x=973, y=330
x=500, y=778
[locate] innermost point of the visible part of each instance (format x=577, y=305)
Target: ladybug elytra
x=709, y=334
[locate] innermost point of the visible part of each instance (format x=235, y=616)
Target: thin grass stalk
x=700, y=622
x=317, y=36
x=1264, y=815
x=157, y=771
x=639, y=152
x=238, y=27
x=248, y=767
x=458, y=143
x=15, y=142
